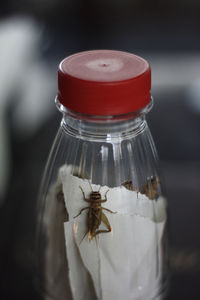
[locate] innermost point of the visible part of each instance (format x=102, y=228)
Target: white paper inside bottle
x=124, y=263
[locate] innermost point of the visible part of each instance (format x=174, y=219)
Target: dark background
x=34, y=37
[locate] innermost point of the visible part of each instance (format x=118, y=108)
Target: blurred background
x=35, y=35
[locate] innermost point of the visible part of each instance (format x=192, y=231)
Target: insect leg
x=81, y=211
x=104, y=200
x=104, y=219
x=87, y=200
x=83, y=237
x=113, y=212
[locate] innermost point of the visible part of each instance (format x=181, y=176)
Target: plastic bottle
x=102, y=216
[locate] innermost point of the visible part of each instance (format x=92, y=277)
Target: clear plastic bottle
x=102, y=216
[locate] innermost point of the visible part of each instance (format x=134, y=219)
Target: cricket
x=95, y=214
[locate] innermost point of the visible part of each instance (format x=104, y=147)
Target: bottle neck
x=103, y=128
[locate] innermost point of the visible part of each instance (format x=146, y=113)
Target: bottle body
x=102, y=216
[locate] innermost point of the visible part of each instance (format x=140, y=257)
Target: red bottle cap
x=104, y=82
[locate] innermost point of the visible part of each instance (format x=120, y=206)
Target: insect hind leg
x=104, y=219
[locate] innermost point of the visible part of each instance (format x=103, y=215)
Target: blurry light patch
x=25, y=85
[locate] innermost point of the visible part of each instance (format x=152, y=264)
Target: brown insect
x=128, y=185
x=95, y=215
x=151, y=189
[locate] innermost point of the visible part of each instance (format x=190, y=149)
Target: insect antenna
x=90, y=185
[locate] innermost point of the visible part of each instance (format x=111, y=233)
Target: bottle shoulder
x=104, y=132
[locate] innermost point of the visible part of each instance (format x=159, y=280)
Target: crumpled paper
x=125, y=263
